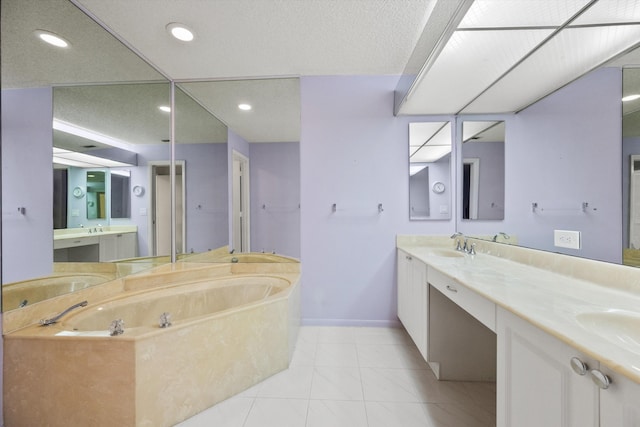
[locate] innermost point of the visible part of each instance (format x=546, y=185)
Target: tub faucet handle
x=165, y=320
x=116, y=327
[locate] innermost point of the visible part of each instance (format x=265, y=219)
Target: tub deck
x=151, y=376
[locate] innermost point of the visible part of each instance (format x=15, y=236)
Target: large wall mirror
x=430, y=187
x=107, y=129
x=568, y=166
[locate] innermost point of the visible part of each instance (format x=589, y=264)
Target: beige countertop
x=568, y=307
x=75, y=233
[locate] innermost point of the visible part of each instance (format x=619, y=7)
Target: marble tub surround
x=151, y=376
x=552, y=291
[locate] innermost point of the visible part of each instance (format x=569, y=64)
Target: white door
x=240, y=202
x=163, y=216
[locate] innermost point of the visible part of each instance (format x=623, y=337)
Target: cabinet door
x=418, y=299
x=127, y=245
x=403, y=286
x=412, y=299
x=620, y=403
x=536, y=385
x=108, y=247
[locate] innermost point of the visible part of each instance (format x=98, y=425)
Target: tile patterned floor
x=355, y=377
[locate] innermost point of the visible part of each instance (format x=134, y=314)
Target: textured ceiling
x=257, y=38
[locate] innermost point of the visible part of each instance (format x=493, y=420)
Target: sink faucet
x=457, y=237
x=45, y=322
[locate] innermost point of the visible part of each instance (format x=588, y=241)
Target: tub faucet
x=45, y=322
x=165, y=320
x=505, y=236
x=23, y=303
x=116, y=327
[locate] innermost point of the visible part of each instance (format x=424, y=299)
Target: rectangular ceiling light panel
x=470, y=62
x=610, y=12
x=520, y=13
x=569, y=55
x=421, y=132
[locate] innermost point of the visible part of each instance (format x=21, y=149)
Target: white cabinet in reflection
x=117, y=246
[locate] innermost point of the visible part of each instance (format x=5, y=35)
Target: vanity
x=95, y=244
x=559, y=334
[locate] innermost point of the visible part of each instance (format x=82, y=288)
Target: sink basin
x=617, y=326
x=450, y=253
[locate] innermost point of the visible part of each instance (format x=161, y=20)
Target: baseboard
x=352, y=322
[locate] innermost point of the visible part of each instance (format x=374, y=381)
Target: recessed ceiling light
x=180, y=31
x=51, y=38
x=244, y=107
x=164, y=108
x=630, y=98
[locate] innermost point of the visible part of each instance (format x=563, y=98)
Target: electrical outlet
x=566, y=239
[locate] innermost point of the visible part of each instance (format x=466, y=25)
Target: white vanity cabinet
x=413, y=299
x=544, y=382
x=117, y=246
x=620, y=403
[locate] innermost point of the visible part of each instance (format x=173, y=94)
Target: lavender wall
x=564, y=150
x=27, y=181
x=353, y=152
x=275, y=197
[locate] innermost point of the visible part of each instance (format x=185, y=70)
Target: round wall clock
x=138, y=190
x=438, y=187
x=78, y=192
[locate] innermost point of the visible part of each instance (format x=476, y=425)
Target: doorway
x=160, y=219
x=240, y=201
x=470, y=185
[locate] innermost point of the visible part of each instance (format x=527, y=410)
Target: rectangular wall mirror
x=429, y=170
x=120, y=193
x=483, y=170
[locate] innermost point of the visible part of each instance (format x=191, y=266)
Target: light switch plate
x=566, y=239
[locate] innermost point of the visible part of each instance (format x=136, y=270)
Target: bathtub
x=227, y=334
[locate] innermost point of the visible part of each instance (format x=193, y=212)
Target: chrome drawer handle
x=451, y=288
x=600, y=379
x=578, y=366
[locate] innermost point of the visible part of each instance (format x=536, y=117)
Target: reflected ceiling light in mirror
x=83, y=160
x=429, y=141
x=631, y=97
x=52, y=38
x=244, y=107
x=180, y=32
x=72, y=129
x=164, y=108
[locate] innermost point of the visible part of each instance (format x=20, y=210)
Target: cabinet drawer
x=78, y=241
x=474, y=304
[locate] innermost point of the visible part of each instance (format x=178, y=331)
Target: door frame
x=241, y=225
x=151, y=206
